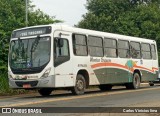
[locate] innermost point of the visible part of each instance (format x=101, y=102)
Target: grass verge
x=4, y=87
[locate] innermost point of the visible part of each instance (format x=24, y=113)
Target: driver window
x=62, y=51
x=61, y=54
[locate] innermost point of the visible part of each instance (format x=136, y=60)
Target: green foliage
x=4, y=87
x=139, y=18
x=103, y=14
x=12, y=16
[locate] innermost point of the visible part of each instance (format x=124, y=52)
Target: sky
x=70, y=11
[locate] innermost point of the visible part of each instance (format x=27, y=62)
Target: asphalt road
x=146, y=96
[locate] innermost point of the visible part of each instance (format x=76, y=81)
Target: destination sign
x=31, y=32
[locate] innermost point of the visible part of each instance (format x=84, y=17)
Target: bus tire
x=105, y=87
x=128, y=86
x=80, y=85
x=151, y=83
x=45, y=91
x=135, y=82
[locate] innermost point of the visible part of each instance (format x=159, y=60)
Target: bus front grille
x=21, y=83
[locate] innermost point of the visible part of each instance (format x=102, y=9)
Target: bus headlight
x=46, y=73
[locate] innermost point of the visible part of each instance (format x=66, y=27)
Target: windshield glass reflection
x=29, y=53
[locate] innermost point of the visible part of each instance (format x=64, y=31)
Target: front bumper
x=48, y=82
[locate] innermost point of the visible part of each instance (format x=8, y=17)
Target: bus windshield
x=29, y=53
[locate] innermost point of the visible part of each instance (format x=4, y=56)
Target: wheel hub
x=80, y=85
x=136, y=81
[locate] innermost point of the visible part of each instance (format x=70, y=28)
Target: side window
x=135, y=50
x=110, y=47
x=79, y=45
x=146, y=51
x=95, y=46
x=61, y=53
x=153, y=51
x=123, y=49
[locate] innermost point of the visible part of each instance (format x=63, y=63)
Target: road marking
x=16, y=96
x=35, y=94
x=77, y=97
x=53, y=100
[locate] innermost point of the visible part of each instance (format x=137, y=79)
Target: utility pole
x=26, y=13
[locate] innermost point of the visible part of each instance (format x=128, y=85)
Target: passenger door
x=62, y=60
x=154, y=60
x=146, y=67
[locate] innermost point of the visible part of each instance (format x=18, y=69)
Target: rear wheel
x=151, y=83
x=45, y=91
x=135, y=82
x=80, y=85
x=128, y=85
x=105, y=87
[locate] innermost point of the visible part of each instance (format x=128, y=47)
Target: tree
x=12, y=16
x=139, y=18
x=102, y=14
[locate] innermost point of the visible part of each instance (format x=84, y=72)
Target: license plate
x=26, y=86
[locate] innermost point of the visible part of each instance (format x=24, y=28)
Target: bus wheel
x=105, y=87
x=128, y=85
x=45, y=91
x=151, y=83
x=80, y=85
x=135, y=83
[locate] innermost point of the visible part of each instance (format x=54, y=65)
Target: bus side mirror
x=60, y=42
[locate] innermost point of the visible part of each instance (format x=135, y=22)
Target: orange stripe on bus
x=108, y=64
x=116, y=65
x=144, y=68
x=155, y=68
x=98, y=65
x=122, y=66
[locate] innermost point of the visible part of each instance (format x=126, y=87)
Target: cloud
x=70, y=11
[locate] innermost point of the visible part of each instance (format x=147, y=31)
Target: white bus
x=53, y=56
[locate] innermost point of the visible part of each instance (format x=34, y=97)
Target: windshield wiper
x=21, y=51
x=34, y=46
x=27, y=53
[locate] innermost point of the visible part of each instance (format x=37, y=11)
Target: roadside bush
x=4, y=85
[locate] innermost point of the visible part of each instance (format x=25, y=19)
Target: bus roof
x=91, y=32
